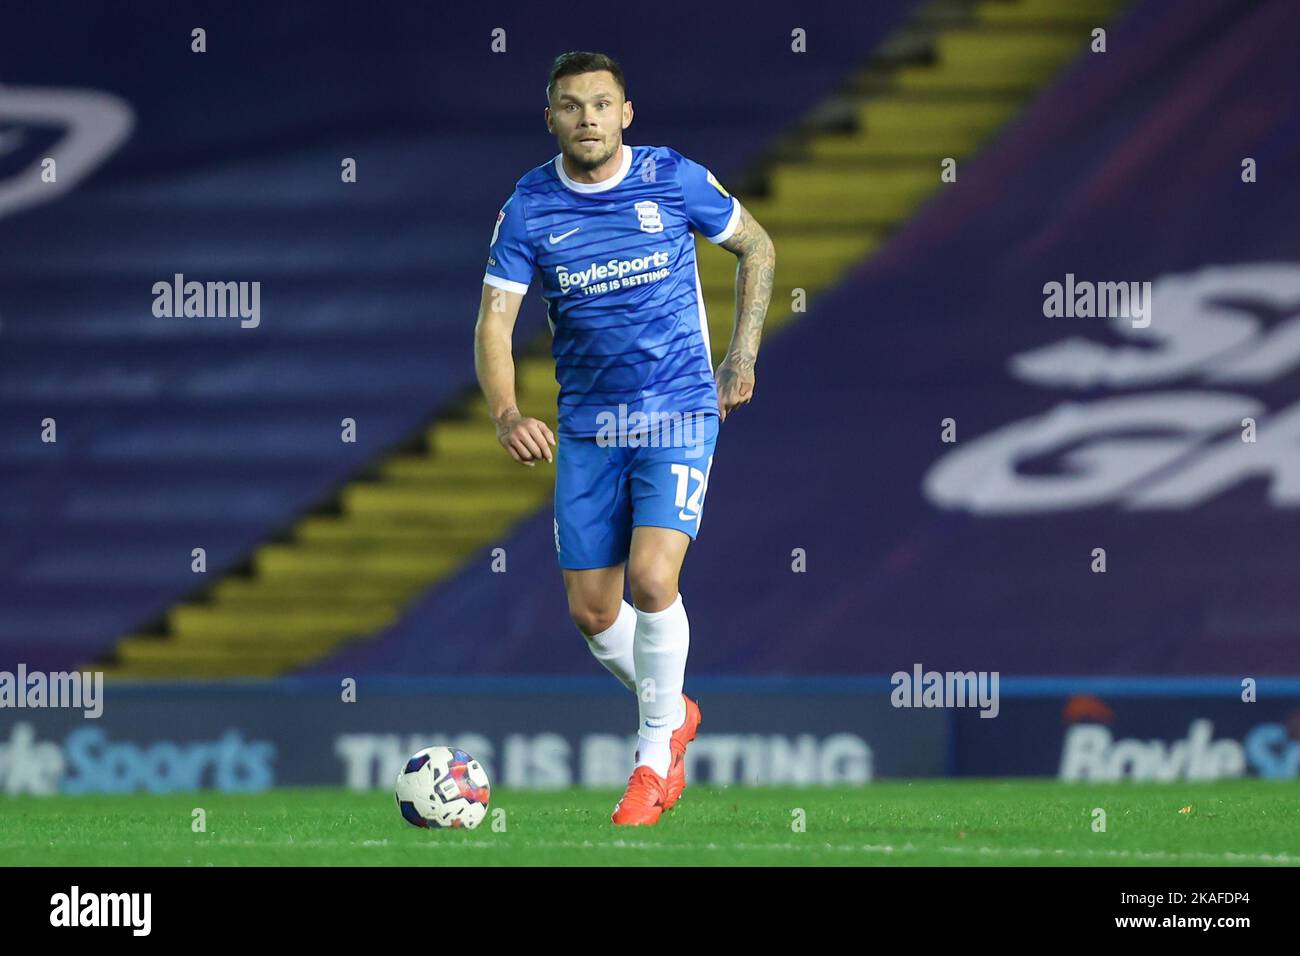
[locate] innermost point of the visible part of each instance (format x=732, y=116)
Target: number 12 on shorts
x=692, y=506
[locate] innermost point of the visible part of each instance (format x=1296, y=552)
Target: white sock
x=662, y=641
x=613, y=646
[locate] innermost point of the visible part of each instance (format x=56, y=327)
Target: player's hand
x=735, y=380
x=528, y=440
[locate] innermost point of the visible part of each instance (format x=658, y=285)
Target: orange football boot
x=644, y=799
x=682, y=736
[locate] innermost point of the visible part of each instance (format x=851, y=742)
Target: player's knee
x=653, y=589
x=592, y=620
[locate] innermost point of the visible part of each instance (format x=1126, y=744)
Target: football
x=442, y=787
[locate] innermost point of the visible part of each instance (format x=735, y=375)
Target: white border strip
x=604, y=184
x=731, y=225
x=498, y=283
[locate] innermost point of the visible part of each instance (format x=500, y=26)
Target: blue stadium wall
x=559, y=732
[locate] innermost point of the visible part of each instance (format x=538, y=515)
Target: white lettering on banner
x=982, y=475
x=29, y=766
x=1090, y=753
x=89, y=761
x=373, y=760
x=1210, y=328
x=769, y=759
x=94, y=125
x=547, y=761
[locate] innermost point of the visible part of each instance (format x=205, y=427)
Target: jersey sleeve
x=510, y=254
x=712, y=211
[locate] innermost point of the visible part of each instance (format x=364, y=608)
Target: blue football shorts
x=604, y=489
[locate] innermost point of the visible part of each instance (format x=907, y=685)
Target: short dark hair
x=574, y=62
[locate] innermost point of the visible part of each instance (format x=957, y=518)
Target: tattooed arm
x=754, y=272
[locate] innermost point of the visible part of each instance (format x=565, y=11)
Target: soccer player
x=609, y=227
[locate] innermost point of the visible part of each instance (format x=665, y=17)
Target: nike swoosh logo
x=554, y=238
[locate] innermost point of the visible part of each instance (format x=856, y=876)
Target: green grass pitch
x=924, y=822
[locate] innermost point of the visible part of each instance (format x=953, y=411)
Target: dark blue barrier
x=545, y=732
x=528, y=732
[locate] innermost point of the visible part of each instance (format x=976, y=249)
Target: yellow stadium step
x=805, y=261
x=1084, y=14
x=899, y=114
x=155, y=658
x=309, y=592
x=996, y=51
x=459, y=438
x=387, y=528
x=488, y=471
x=924, y=146
x=199, y=622
x=535, y=376
x=287, y=561
x=783, y=219
x=276, y=603
x=394, y=497
x=346, y=575
x=1020, y=80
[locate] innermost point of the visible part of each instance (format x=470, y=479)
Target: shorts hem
x=670, y=527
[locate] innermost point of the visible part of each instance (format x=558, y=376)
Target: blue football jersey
x=622, y=290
